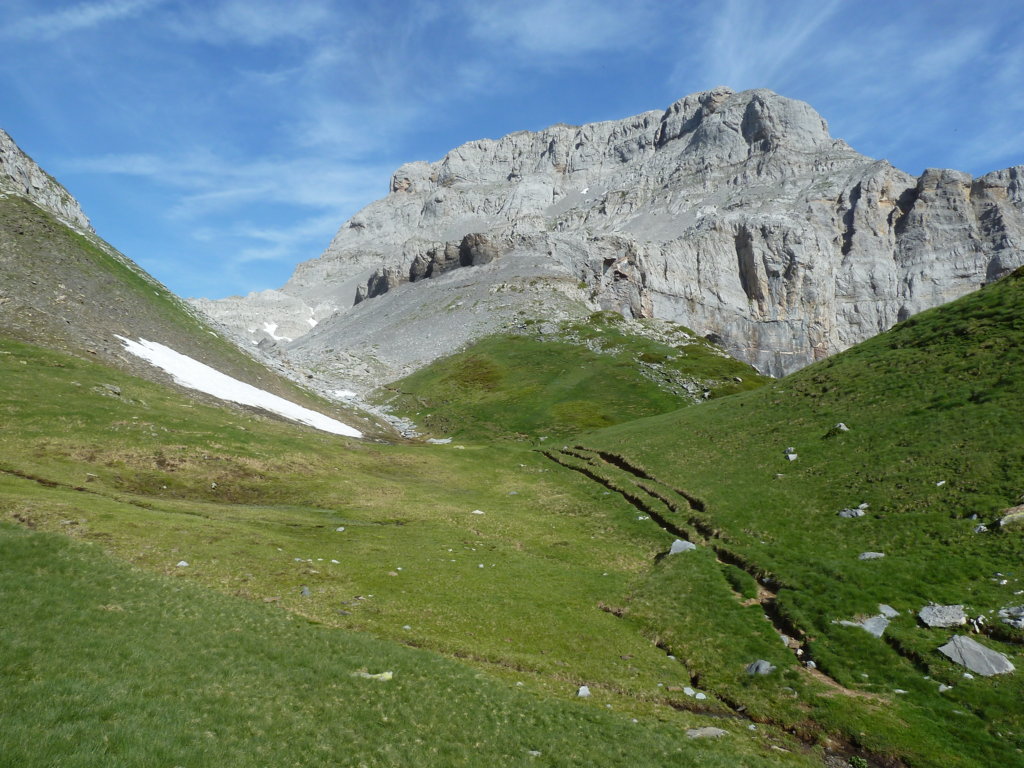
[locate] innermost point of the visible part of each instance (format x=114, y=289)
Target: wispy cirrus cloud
x=253, y=22
x=562, y=28
x=75, y=18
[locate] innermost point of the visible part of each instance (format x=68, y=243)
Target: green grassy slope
x=585, y=376
x=104, y=665
x=935, y=410
x=254, y=506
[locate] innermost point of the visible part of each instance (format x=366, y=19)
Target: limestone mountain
x=735, y=214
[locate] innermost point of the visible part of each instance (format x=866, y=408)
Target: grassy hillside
x=73, y=292
x=386, y=542
x=935, y=409
x=580, y=377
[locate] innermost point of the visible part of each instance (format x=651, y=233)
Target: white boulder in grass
x=681, y=546
x=583, y=692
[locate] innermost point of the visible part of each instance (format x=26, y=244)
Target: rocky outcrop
x=19, y=175
x=735, y=214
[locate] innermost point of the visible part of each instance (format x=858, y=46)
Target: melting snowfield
x=195, y=375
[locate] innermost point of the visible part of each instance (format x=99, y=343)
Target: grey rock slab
x=976, y=657
x=888, y=611
x=871, y=555
x=583, y=692
x=942, y=615
x=679, y=545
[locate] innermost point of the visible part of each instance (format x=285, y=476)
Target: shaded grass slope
x=935, y=416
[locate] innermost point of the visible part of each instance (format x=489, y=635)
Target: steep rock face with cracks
x=735, y=214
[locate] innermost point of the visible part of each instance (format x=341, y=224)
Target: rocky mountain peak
x=736, y=214
x=19, y=175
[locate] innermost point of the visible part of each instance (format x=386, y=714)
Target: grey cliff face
x=736, y=214
x=19, y=175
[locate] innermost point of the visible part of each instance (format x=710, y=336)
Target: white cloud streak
x=76, y=18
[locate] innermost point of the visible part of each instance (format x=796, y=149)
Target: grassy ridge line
x=125, y=668
x=935, y=411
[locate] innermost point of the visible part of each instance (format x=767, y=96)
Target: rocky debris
x=1011, y=516
x=735, y=214
x=679, y=545
x=760, y=667
x=707, y=732
x=871, y=555
x=976, y=657
x=942, y=615
x=980, y=528
x=851, y=512
x=1013, y=615
x=19, y=175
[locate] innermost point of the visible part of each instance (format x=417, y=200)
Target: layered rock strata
x=735, y=214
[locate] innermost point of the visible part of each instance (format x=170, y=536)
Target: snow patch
x=195, y=375
x=271, y=328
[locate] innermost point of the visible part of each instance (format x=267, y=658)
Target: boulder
x=871, y=555
x=681, y=546
x=942, y=615
x=848, y=512
x=976, y=657
x=760, y=667
x=1011, y=516
x=1013, y=615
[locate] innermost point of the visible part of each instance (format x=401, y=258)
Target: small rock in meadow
x=888, y=611
x=1013, y=615
x=940, y=483
x=304, y=592
x=681, y=546
x=943, y=687
x=942, y=615
x=707, y=732
x=534, y=753
x=477, y=512
x=848, y=512
x=980, y=528
x=583, y=692
x=792, y=456
x=182, y=564
x=870, y=555
x=700, y=696
x=810, y=664
x=863, y=505
x=340, y=528
x=689, y=691
x=760, y=667
x=841, y=427
x=382, y=676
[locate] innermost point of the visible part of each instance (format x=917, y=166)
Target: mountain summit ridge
x=736, y=214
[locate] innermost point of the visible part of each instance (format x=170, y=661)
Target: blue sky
x=219, y=143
